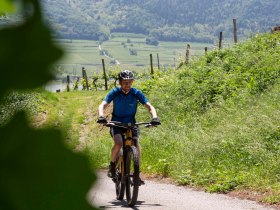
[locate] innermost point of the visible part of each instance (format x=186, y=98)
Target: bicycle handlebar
x=127, y=125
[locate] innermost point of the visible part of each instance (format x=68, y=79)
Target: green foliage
x=152, y=41
x=167, y=20
x=6, y=6
x=72, y=22
x=76, y=85
x=22, y=37
x=274, y=199
x=220, y=119
x=113, y=74
x=83, y=83
x=222, y=74
x=14, y=102
x=95, y=82
x=133, y=52
x=37, y=170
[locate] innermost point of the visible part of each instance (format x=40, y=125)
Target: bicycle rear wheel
x=132, y=179
x=119, y=181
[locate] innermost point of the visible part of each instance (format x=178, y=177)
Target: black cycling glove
x=155, y=121
x=102, y=120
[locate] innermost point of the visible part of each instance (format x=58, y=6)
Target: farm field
x=87, y=53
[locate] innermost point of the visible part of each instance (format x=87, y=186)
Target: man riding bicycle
x=125, y=100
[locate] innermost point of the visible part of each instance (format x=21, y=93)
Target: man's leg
x=114, y=153
x=135, y=136
x=117, y=146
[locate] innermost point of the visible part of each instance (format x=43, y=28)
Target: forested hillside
x=176, y=20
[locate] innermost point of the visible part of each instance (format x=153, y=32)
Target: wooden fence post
x=151, y=61
x=234, y=31
x=158, y=61
x=68, y=83
x=220, y=40
x=187, y=54
x=104, y=73
x=85, y=77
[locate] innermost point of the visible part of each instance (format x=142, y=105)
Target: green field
x=86, y=53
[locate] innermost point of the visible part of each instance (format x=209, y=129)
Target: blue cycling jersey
x=125, y=105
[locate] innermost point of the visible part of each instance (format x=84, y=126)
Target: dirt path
x=154, y=195
x=117, y=62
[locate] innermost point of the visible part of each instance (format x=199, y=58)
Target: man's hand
x=155, y=121
x=102, y=120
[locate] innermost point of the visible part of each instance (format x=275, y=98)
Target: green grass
x=70, y=111
x=76, y=114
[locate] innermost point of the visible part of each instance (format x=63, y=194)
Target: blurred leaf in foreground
x=27, y=52
x=6, y=6
x=38, y=172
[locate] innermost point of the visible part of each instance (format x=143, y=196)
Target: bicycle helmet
x=126, y=74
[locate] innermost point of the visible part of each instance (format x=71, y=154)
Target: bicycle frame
x=127, y=142
x=127, y=177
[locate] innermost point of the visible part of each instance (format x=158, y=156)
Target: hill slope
x=177, y=20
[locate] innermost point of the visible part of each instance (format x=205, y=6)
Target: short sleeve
x=141, y=97
x=110, y=96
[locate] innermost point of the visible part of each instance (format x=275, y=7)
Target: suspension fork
x=127, y=143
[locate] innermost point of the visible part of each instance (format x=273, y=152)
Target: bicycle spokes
x=119, y=183
x=132, y=172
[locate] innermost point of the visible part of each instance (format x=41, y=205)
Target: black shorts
x=116, y=130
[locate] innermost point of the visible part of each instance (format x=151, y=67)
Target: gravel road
x=158, y=196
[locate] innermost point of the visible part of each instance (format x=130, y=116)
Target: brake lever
x=108, y=124
x=149, y=125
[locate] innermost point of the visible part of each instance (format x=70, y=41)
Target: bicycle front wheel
x=132, y=179
x=119, y=180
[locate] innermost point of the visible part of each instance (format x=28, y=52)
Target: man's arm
x=151, y=109
x=155, y=121
x=101, y=108
x=101, y=118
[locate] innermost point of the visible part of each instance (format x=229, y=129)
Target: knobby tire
x=132, y=180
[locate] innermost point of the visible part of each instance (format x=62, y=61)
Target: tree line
x=178, y=20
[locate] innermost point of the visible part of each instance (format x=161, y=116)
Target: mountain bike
x=127, y=179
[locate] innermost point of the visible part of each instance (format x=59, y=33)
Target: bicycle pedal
x=142, y=182
x=115, y=179
x=138, y=182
